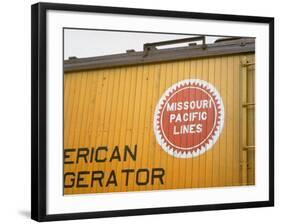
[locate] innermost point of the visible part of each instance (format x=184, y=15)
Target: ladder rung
x=249, y=147
x=248, y=104
x=248, y=64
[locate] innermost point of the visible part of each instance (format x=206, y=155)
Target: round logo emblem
x=188, y=118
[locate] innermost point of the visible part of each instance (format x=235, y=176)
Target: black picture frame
x=39, y=107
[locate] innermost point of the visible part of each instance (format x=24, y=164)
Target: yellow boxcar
x=109, y=109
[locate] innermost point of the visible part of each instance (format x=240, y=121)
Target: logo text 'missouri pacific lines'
x=188, y=118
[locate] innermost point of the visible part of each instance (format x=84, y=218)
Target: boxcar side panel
x=113, y=108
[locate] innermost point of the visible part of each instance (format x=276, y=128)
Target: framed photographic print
x=139, y=111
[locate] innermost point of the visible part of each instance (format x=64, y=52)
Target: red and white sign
x=189, y=118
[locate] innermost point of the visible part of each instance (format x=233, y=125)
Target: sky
x=90, y=43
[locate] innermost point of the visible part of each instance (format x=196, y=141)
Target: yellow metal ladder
x=247, y=120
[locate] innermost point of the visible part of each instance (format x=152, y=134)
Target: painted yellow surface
x=115, y=107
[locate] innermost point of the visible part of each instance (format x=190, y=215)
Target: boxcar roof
x=218, y=48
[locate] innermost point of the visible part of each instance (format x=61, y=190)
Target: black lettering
x=72, y=180
x=157, y=173
x=133, y=155
x=81, y=179
x=66, y=156
x=146, y=177
x=97, y=175
x=97, y=158
x=127, y=171
x=111, y=179
x=82, y=153
x=92, y=155
x=115, y=154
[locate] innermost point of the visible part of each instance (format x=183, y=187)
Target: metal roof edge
x=227, y=47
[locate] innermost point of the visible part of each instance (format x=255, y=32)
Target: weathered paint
x=115, y=107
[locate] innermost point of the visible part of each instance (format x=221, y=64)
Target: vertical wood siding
x=115, y=106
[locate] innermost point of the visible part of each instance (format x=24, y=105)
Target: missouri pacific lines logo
x=189, y=118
